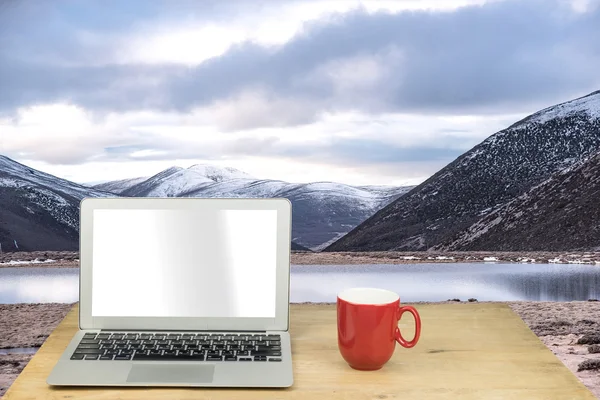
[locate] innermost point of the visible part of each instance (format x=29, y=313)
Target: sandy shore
x=66, y=259
x=558, y=325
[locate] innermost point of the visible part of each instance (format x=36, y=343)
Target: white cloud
x=53, y=133
x=255, y=108
x=72, y=143
x=196, y=40
x=583, y=6
x=362, y=78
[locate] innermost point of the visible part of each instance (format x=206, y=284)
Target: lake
x=414, y=282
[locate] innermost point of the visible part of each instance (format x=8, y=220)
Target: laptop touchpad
x=174, y=373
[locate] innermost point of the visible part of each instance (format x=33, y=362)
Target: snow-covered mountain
x=39, y=211
x=562, y=213
x=118, y=186
x=175, y=181
x=322, y=211
x=501, y=168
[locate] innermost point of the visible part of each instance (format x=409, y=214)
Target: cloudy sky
x=373, y=92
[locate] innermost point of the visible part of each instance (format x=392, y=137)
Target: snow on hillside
x=119, y=186
x=176, y=181
x=218, y=174
x=21, y=175
x=55, y=195
x=589, y=105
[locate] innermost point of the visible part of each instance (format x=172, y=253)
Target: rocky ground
x=571, y=330
x=71, y=259
x=394, y=257
x=55, y=259
x=24, y=326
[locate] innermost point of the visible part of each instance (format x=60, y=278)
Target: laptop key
x=274, y=359
x=106, y=358
x=123, y=357
x=245, y=359
x=263, y=347
x=230, y=358
x=91, y=357
x=88, y=346
x=88, y=351
x=77, y=357
x=265, y=353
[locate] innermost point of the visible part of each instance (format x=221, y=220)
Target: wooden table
x=466, y=351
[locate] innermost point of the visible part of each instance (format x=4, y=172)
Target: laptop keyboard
x=241, y=347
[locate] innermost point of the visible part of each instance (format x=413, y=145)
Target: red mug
x=367, y=324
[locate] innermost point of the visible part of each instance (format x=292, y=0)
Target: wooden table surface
x=466, y=351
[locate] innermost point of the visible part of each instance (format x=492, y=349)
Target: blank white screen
x=184, y=263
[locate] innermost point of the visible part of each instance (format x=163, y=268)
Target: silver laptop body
x=182, y=292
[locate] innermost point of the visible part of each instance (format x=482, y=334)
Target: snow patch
x=589, y=105
x=20, y=262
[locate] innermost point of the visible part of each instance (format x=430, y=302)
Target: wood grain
x=466, y=351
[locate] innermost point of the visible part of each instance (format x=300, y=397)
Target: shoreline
x=559, y=325
x=413, y=257
x=66, y=259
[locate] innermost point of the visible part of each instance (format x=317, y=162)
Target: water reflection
x=414, y=282
x=39, y=285
x=435, y=282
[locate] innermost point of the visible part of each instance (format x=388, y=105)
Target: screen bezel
x=279, y=323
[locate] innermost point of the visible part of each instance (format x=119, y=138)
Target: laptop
x=182, y=292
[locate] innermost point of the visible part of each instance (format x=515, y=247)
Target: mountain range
x=321, y=211
x=532, y=186
x=505, y=193
x=41, y=211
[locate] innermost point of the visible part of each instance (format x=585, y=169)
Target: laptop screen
x=184, y=263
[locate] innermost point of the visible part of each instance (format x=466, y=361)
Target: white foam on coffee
x=368, y=296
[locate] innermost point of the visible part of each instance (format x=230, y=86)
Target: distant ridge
x=322, y=211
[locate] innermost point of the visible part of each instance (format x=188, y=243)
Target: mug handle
x=398, y=336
